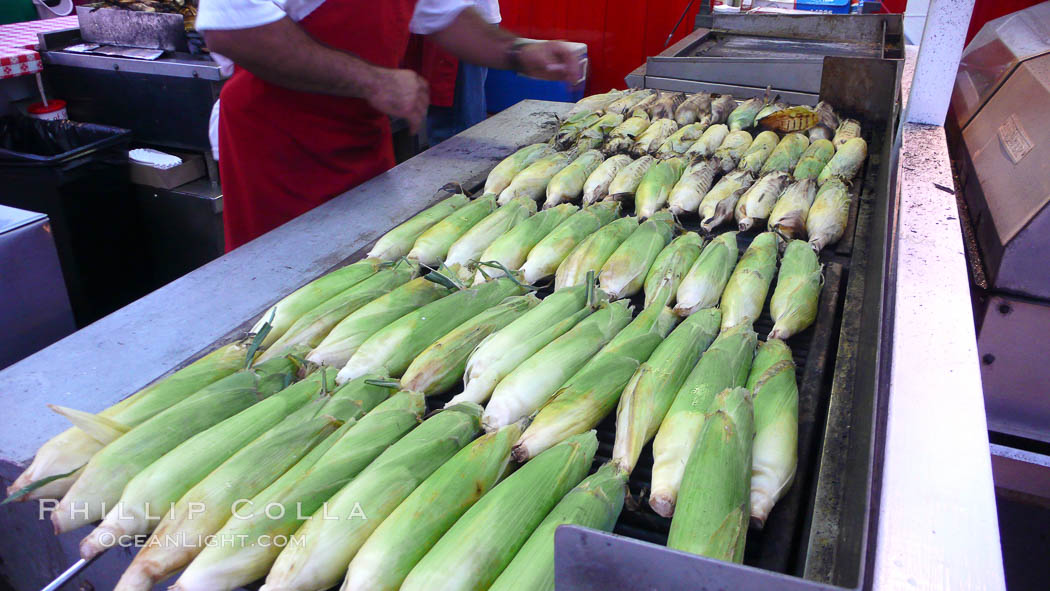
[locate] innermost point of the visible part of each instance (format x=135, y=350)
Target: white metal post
x=938, y=61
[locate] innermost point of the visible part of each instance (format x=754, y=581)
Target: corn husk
x=653, y=137
x=652, y=388
x=758, y=152
x=467, y=250
x=595, y=503
x=645, y=106
x=846, y=162
x=623, y=274
x=512, y=249
x=725, y=364
x=713, y=511
x=775, y=458
x=655, y=187
x=799, y=118
x=786, y=155
x=828, y=215
x=570, y=129
x=624, y=104
x=702, y=286
x=297, y=495
x=670, y=267
x=567, y=185
x=625, y=183
x=721, y=107
x=404, y=537
x=732, y=149
x=397, y=242
x=794, y=303
x=666, y=105
x=814, y=159
x=622, y=137
x=789, y=214
x=827, y=115
x=482, y=542
x=757, y=203
x=594, y=136
x=343, y=340
x=544, y=258
x=720, y=202
x=694, y=106
x=712, y=137
x=847, y=130
x=596, y=102
x=743, y=116
x=745, y=292
x=432, y=246
x=390, y=350
x=440, y=366
x=679, y=141
x=327, y=546
x=592, y=253
x=534, y=381
x=532, y=182
x=596, y=187
x=504, y=172
x=769, y=109
x=696, y=181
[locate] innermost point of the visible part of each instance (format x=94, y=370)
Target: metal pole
x=938, y=61
x=71, y=572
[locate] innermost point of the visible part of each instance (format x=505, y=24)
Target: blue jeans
x=468, y=105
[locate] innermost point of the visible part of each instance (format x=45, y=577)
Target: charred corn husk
x=719, y=203
x=757, y=203
x=624, y=104
x=623, y=275
x=725, y=364
x=827, y=115
x=787, y=154
x=712, y=137
x=692, y=108
x=721, y=107
x=792, y=119
x=846, y=162
x=653, y=137
x=596, y=187
x=847, y=130
x=432, y=245
x=509, y=167
x=828, y=215
x=703, y=284
x=532, y=182
x=622, y=137
x=535, y=380
x=743, y=116
x=666, y=105
x=570, y=129
x=544, y=258
x=645, y=106
x=775, y=396
x=758, y=152
x=476, y=549
x=595, y=503
x=655, y=187
x=732, y=149
x=696, y=181
x=745, y=293
x=794, y=303
x=594, y=136
x=653, y=386
x=596, y=102
x=680, y=140
x=592, y=253
x=820, y=133
x=670, y=267
x=467, y=250
x=512, y=248
x=625, y=183
x=792, y=208
x=397, y=242
x=813, y=160
x=769, y=109
x=714, y=507
x=567, y=185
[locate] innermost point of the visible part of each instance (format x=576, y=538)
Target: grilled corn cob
x=622, y=137
x=653, y=137
x=828, y=215
x=792, y=208
x=624, y=104
x=847, y=130
x=786, y=155
x=626, y=182
x=732, y=149
x=721, y=107
x=594, y=136
x=758, y=152
x=692, y=108
x=775, y=396
x=509, y=167
x=769, y=109
x=512, y=248
x=667, y=104
x=432, y=245
x=712, y=137
x=794, y=303
x=570, y=129
x=719, y=203
x=532, y=182
x=653, y=191
x=623, y=275
x=678, y=142
x=596, y=187
x=544, y=258
x=670, y=267
x=746, y=290
x=592, y=253
x=596, y=102
x=813, y=160
x=469, y=247
x=696, y=181
x=567, y=185
x=846, y=162
x=757, y=203
x=397, y=242
x=645, y=106
x=703, y=284
x=743, y=116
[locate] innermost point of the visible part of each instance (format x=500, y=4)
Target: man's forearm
x=472, y=39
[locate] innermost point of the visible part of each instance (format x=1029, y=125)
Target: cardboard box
x=191, y=169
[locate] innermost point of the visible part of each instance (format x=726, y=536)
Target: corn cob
x=786, y=155
x=725, y=364
x=846, y=162
x=328, y=545
x=397, y=242
x=769, y=109
x=544, y=258
x=279, y=510
x=626, y=182
x=670, y=267
x=712, y=137
x=432, y=246
x=596, y=187
x=534, y=381
x=622, y=137
x=732, y=149
x=847, y=130
x=343, y=340
x=418, y=523
x=512, y=249
x=792, y=208
x=623, y=274
x=595, y=503
x=667, y=104
x=757, y=203
x=482, y=542
x=652, y=388
x=105, y=475
x=594, y=136
x=503, y=351
x=440, y=366
x=655, y=187
x=820, y=133
x=532, y=182
x=592, y=393
x=680, y=140
x=743, y=116
x=504, y=172
x=571, y=128
x=775, y=396
x=653, y=137
x=758, y=152
x=792, y=119
x=719, y=203
x=746, y=290
x=468, y=248
x=696, y=181
x=624, y=104
x=814, y=159
x=645, y=106
x=592, y=253
x=828, y=215
x=392, y=348
x=721, y=107
x=567, y=185
x=827, y=115
x=71, y=449
x=712, y=516
x=794, y=303
x=703, y=284
x=596, y=102
x=692, y=108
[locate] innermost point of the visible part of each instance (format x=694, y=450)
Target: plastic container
x=54, y=110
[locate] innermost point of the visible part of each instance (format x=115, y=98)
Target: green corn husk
x=71, y=449
x=696, y=181
x=770, y=109
x=503, y=351
x=328, y=545
x=720, y=202
x=397, y=242
x=712, y=517
x=721, y=107
x=725, y=364
x=343, y=340
x=105, y=475
x=532, y=182
x=743, y=117
x=315, y=325
x=670, y=267
x=512, y=249
x=757, y=203
x=758, y=152
x=390, y=350
x=482, y=542
x=655, y=186
x=787, y=154
x=789, y=214
x=703, y=284
x=534, y=381
x=592, y=253
x=645, y=106
x=592, y=393
x=846, y=162
x=298, y=494
x=594, y=136
x=467, y=250
x=595, y=503
x=623, y=274
x=596, y=102
x=432, y=246
x=652, y=388
x=653, y=137
x=569, y=131
x=813, y=160
x=621, y=138
x=625, y=183
x=847, y=130
x=596, y=187
x=707, y=144
x=775, y=458
x=745, y=292
x=828, y=215
x=567, y=185
x=794, y=303
x=504, y=172
x=544, y=258
x=404, y=537
x=680, y=140
x=440, y=366
x=732, y=149
x=624, y=104
x=692, y=108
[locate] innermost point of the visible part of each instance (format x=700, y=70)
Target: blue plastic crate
x=830, y=6
x=504, y=88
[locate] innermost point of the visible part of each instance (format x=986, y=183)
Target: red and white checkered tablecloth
x=18, y=43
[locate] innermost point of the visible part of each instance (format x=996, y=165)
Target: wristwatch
x=513, y=54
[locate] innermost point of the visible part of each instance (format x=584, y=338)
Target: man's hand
x=549, y=60
x=400, y=93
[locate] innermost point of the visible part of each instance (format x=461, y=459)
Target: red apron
x=284, y=152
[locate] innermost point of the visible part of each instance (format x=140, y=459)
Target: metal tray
x=128, y=28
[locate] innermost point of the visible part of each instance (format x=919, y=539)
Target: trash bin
x=77, y=174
